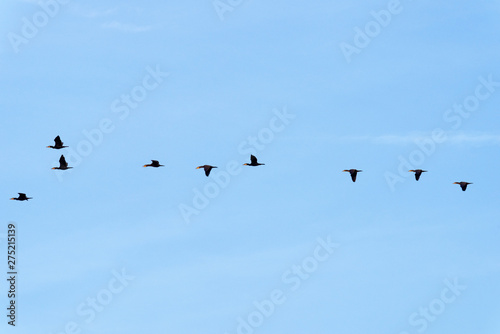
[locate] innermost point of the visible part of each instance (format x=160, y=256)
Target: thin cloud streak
x=126, y=27
x=96, y=13
x=454, y=138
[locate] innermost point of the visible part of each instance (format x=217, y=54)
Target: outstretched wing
x=58, y=141
x=354, y=173
x=62, y=162
x=253, y=159
x=417, y=174
x=463, y=186
x=22, y=196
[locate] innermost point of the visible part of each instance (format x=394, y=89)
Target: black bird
x=253, y=162
x=63, y=165
x=417, y=172
x=207, y=169
x=463, y=184
x=58, y=144
x=22, y=197
x=353, y=173
x=154, y=163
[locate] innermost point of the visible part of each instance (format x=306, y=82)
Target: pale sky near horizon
x=294, y=246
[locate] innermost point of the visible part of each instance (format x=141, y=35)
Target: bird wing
x=207, y=170
x=463, y=186
x=62, y=161
x=417, y=174
x=22, y=196
x=58, y=141
x=253, y=159
x=155, y=162
x=353, y=175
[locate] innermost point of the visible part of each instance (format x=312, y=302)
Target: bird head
x=13, y=198
x=145, y=166
x=245, y=164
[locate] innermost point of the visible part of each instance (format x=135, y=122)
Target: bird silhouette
x=417, y=172
x=463, y=184
x=207, y=169
x=353, y=172
x=154, y=163
x=58, y=144
x=63, y=165
x=21, y=197
x=253, y=161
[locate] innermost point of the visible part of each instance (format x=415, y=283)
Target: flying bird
x=417, y=172
x=22, y=197
x=207, y=169
x=58, y=144
x=253, y=162
x=463, y=184
x=154, y=163
x=353, y=173
x=63, y=165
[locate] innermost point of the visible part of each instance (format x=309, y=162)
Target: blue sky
x=290, y=247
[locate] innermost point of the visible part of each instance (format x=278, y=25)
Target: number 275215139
x=11, y=246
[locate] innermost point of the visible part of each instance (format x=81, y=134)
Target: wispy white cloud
x=106, y=17
x=126, y=27
x=474, y=139
x=451, y=138
x=98, y=13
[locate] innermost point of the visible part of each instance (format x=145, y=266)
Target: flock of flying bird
x=63, y=165
x=418, y=172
